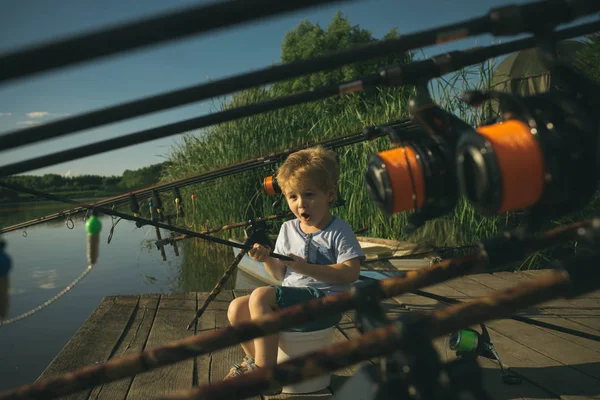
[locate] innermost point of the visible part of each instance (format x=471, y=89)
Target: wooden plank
x=340, y=377
x=95, y=340
x=582, y=354
x=537, y=272
x=206, y=322
x=133, y=341
x=581, y=310
x=513, y=340
x=175, y=310
x=221, y=360
x=476, y=289
x=490, y=370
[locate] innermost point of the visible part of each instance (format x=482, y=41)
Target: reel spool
x=409, y=177
x=419, y=176
x=270, y=185
x=542, y=157
x=470, y=343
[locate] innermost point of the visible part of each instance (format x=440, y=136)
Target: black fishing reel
x=419, y=173
x=541, y=157
x=258, y=232
x=468, y=343
x=412, y=369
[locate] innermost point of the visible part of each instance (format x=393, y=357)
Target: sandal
x=275, y=387
x=239, y=369
x=250, y=365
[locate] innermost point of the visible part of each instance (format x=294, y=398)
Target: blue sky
x=177, y=64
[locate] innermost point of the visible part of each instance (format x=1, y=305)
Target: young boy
x=326, y=254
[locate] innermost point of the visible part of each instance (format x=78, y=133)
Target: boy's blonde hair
x=315, y=165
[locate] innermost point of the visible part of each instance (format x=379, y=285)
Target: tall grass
x=241, y=197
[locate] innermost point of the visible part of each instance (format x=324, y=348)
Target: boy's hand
x=297, y=265
x=259, y=252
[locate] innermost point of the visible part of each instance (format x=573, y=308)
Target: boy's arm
x=343, y=273
x=275, y=267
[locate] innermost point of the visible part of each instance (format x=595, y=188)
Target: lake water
x=51, y=256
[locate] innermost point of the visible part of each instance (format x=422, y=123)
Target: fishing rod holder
x=413, y=369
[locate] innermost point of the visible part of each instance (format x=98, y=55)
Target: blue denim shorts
x=288, y=296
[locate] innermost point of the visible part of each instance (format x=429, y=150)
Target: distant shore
x=72, y=195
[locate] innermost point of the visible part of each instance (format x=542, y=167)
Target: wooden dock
x=552, y=364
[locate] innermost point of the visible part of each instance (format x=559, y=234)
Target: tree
x=308, y=40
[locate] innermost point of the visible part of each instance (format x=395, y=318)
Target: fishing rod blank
x=143, y=33
x=500, y=21
x=136, y=219
x=243, y=166
x=408, y=74
x=582, y=277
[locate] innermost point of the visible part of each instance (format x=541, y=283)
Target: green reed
x=241, y=197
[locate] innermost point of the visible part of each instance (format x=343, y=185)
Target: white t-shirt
x=333, y=244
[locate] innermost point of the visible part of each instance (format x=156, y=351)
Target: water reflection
x=203, y=265
x=52, y=256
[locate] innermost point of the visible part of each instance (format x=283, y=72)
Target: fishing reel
x=419, y=173
x=271, y=188
x=412, y=369
x=258, y=232
x=541, y=157
x=270, y=185
x=468, y=343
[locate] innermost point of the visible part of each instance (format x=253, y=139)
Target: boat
x=251, y=274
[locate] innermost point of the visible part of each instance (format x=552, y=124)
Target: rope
x=50, y=301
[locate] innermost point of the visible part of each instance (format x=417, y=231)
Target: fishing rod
x=520, y=318
x=227, y=227
x=412, y=337
x=139, y=220
x=369, y=133
x=509, y=20
x=540, y=155
x=241, y=224
x=142, y=33
x=496, y=251
x=409, y=74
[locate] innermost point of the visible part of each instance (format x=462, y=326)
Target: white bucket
x=294, y=344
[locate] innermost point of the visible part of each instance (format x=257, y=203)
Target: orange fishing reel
x=419, y=173
x=270, y=185
x=543, y=157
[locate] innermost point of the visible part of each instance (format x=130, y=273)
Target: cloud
x=28, y=123
x=5, y=114
x=67, y=174
x=38, y=114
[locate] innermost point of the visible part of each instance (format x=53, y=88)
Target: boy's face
x=310, y=205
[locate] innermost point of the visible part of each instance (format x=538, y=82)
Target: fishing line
x=498, y=21
x=396, y=75
x=368, y=133
x=137, y=219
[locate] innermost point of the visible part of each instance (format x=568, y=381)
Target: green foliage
x=84, y=185
x=241, y=197
x=140, y=177
x=588, y=59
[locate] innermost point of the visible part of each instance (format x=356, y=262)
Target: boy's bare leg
x=237, y=312
x=262, y=301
